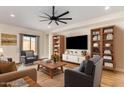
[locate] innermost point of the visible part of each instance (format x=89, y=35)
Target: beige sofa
x=6, y=77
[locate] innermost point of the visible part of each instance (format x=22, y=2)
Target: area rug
x=44, y=80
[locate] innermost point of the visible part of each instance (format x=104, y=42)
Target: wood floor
x=109, y=78
x=112, y=79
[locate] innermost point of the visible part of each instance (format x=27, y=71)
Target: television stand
x=72, y=58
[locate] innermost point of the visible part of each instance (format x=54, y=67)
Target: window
x=29, y=43
x=33, y=43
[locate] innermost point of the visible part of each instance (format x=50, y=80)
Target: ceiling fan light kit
x=57, y=19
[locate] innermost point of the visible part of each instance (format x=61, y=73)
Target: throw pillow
x=82, y=66
x=6, y=67
x=29, y=53
x=95, y=59
x=89, y=67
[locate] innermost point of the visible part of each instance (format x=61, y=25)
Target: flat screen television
x=77, y=42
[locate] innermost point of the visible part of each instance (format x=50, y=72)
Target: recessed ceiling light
x=49, y=26
x=107, y=7
x=12, y=15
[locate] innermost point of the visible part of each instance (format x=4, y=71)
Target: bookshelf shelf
x=58, y=44
x=105, y=45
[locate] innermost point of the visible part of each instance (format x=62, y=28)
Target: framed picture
x=8, y=39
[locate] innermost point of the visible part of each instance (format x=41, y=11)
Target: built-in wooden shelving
x=102, y=43
x=59, y=45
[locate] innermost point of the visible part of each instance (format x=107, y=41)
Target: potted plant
x=55, y=57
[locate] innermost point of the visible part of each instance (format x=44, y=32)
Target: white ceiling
x=27, y=16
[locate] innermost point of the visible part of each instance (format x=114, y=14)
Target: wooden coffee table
x=50, y=68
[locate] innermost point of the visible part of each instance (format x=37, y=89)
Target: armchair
x=28, y=56
x=76, y=78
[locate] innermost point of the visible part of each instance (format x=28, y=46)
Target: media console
x=72, y=58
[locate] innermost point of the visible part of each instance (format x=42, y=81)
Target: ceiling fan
x=54, y=17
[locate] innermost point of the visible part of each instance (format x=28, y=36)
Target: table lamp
x=1, y=52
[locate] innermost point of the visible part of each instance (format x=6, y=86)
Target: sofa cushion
x=29, y=53
x=30, y=57
x=6, y=67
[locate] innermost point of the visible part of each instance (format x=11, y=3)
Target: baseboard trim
x=119, y=69
x=71, y=62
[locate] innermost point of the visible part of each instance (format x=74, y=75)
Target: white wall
x=13, y=51
x=46, y=45
x=50, y=44
x=85, y=27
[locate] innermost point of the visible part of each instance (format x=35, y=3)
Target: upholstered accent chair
x=86, y=75
x=28, y=56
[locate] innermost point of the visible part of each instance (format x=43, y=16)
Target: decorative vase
x=55, y=61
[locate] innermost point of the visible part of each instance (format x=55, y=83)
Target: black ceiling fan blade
x=56, y=22
x=47, y=15
x=53, y=10
x=44, y=17
x=63, y=14
x=50, y=22
x=43, y=20
x=65, y=19
x=62, y=22
x=52, y=17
